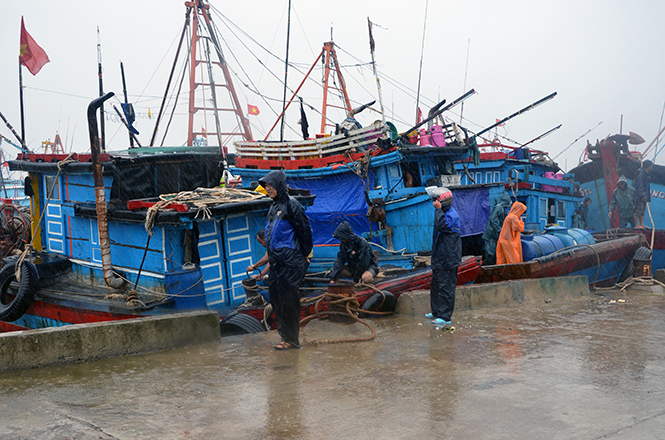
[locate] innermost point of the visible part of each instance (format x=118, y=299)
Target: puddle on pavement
x=411, y=381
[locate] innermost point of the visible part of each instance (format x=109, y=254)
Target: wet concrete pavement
x=580, y=368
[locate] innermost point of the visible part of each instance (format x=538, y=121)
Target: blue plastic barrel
x=548, y=243
x=566, y=239
x=186, y=288
x=581, y=236
x=530, y=249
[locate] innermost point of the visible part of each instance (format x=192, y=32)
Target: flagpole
x=20, y=94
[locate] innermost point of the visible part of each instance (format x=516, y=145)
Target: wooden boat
x=603, y=263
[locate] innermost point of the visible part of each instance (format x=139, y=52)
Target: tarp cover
x=150, y=176
x=473, y=207
x=338, y=198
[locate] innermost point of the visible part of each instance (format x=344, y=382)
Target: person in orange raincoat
x=509, y=246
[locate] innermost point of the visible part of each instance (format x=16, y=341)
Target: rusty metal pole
x=100, y=196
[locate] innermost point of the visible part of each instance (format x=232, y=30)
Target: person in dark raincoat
x=289, y=242
x=622, y=201
x=355, y=257
x=446, y=258
x=579, y=218
x=642, y=184
x=493, y=228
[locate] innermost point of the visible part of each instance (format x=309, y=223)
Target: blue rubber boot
x=429, y=316
x=440, y=322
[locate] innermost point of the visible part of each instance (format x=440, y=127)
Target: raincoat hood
x=276, y=179
x=344, y=232
x=517, y=209
x=506, y=200
x=622, y=179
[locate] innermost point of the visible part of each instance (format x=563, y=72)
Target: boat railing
x=362, y=138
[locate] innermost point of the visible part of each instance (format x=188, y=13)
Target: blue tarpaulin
x=473, y=207
x=338, y=198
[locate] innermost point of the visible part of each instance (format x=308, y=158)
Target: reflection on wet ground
x=572, y=368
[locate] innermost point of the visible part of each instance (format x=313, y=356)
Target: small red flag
x=499, y=120
x=32, y=56
x=252, y=109
x=203, y=133
x=420, y=116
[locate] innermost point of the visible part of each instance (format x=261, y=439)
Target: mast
x=201, y=20
x=102, y=138
x=376, y=75
x=331, y=64
x=286, y=71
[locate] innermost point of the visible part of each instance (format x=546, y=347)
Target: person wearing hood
x=446, y=258
x=580, y=216
x=509, y=245
x=288, y=239
x=355, y=258
x=642, y=197
x=493, y=228
x=622, y=201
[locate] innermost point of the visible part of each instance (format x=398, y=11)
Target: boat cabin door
x=551, y=211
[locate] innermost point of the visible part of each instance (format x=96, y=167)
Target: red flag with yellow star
x=32, y=55
x=252, y=109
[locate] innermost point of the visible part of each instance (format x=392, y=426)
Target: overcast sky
x=603, y=58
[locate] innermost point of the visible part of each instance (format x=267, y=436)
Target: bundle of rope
x=201, y=199
x=335, y=302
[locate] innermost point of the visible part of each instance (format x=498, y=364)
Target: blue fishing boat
x=607, y=160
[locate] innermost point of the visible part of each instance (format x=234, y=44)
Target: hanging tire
x=379, y=302
x=240, y=324
x=23, y=292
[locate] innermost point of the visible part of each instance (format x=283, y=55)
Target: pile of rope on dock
x=201, y=199
x=347, y=307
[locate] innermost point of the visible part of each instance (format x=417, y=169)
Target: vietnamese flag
x=252, y=109
x=32, y=56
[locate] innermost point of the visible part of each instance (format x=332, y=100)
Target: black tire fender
x=379, y=302
x=11, y=310
x=240, y=324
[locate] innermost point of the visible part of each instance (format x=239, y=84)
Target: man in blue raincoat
x=289, y=242
x=493, y=228
x=446, y=258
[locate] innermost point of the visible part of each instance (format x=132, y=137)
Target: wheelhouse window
x=561, y=209
x=52, y=182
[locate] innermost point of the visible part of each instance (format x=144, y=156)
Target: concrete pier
x=85, y=342
x=478, y=296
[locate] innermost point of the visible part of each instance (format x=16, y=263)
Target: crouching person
x=355, y=258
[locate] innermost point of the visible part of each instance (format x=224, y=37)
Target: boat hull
x=603, y=263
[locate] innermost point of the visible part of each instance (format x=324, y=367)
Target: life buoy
x=15, y=300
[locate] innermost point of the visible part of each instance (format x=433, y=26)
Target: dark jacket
x=288, y=234
x=496, y=218
x=579, y=218
x=446, y=241
x=623, y=200
x=642, y=184
x=356, y=252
